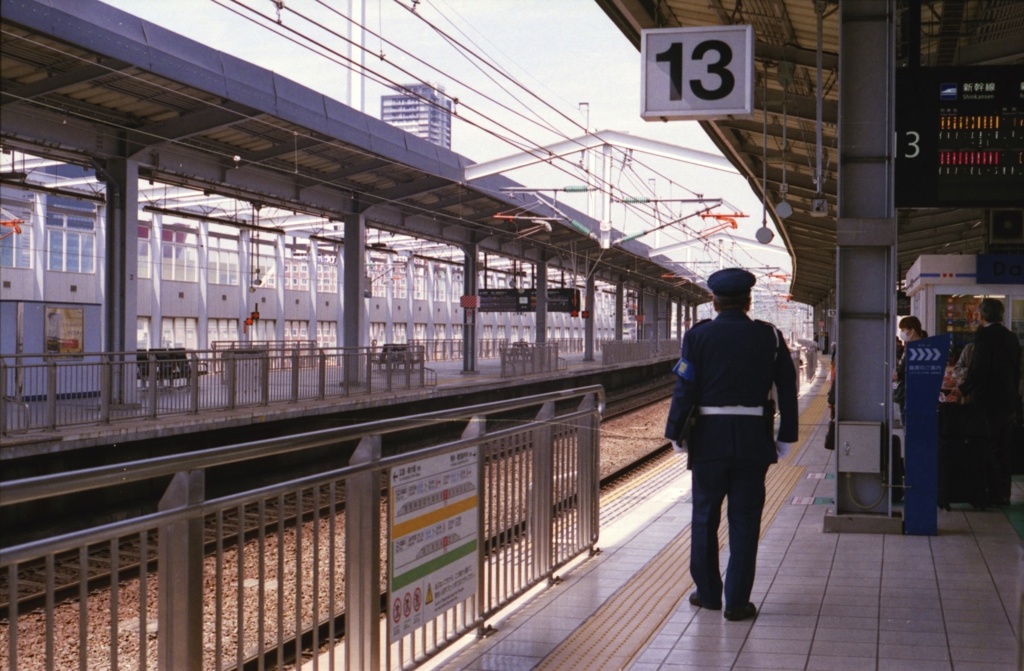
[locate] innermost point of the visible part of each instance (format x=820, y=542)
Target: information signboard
x=696, y=73
x=507, y=300
x=525, y=300
x=925, y=367
x=434, y=542
x=960, y=136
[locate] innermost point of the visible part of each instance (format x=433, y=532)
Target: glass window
x=70, y=241
x=440, y=287
x=222, y=260
x=179, y=255
x=179, y=332
x=377, y=332
x=327, y=274
x=419, y=291
x=15, y=247
x=145, y=257
x=296, y=267
x=327, y=334
x=220, y=331
x=296, y=330
x=142, y=327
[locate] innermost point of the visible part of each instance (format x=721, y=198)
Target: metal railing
x=625, y=351
x=472, y=524
x=527, y=359
x=52, y=391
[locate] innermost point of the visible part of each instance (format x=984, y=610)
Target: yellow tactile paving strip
x=618, y=631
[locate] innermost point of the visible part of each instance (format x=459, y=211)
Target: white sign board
x=697, y=73
x=433, y=534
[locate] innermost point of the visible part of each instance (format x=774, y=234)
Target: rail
x=47, y=392
x=471, y=525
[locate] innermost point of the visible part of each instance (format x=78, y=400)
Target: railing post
x=180, y=547
x=422, y=366
x=475, y=429
x=231, y=378
x=194, y=383
x=151, y=383
x=362, y=561
x=588, y=479
x=321, y=361
x=106, y=374
x=51, y=393
x=3, y=398
x=264, y=377
x=541, y=481
x=295, y=374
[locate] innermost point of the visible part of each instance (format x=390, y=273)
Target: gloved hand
x=678, y=448
x=781, y=448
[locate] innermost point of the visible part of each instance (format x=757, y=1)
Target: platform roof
x=956, y=32
x=84, y=82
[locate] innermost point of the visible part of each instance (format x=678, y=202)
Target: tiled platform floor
x=836, y=602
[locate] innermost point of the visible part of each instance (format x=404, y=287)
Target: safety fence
x=391, y=559
x=625, y=351
x=527, y=359
x=487, y=348
x=52, y=391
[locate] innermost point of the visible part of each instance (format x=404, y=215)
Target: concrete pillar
x=354, y=329
x=620, y=299
x=541, y=337
x=865, y=259
x=470, y=283
x=588, y=323
x=121, y=259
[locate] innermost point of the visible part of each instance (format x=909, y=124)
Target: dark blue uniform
x=729, y=366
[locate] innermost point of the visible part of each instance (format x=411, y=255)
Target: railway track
x=244, y=526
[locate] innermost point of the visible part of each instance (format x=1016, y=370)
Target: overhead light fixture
x=783, y=209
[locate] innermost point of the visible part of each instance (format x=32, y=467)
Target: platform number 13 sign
x=697, y=73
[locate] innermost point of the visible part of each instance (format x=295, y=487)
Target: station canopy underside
x=88, y=84
x=777, y=149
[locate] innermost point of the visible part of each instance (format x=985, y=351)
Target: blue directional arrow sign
x=926, y=365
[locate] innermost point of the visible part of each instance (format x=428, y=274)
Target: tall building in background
x=421, y=109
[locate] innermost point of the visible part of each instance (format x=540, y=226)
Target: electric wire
x=267, y=165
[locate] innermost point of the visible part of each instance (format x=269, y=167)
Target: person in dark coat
x=992, y=382
x=725, y=374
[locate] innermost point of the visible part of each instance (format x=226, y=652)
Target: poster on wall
x=65, y=330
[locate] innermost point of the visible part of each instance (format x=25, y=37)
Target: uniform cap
x=731, y=282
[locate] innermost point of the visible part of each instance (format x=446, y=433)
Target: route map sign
x=433, y=554
x=960, y=136
x=696, y=73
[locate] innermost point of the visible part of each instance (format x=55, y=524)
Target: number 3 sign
x=697, y=73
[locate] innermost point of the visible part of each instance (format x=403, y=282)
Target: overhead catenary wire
x=407, y=205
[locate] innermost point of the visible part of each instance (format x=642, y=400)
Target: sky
x=519, y=70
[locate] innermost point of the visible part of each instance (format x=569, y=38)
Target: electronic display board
x=507, y=300
x=960, y=136
x=525, y=300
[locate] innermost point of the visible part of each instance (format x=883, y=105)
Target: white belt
x=731, y=410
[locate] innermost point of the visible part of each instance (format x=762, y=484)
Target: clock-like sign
x=960, y=137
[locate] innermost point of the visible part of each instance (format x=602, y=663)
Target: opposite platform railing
x=380, y=564
x=48, y=392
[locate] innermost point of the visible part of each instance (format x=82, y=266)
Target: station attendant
x=725, y=375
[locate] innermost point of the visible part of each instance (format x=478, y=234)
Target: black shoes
x=695, y=601
x=739, y=613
